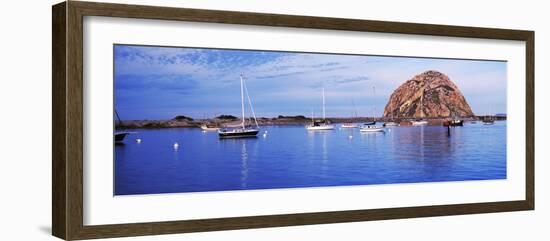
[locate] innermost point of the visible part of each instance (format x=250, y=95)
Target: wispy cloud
x=352, y=79
x=209, y=79
x=182, y=84
x=280, y=75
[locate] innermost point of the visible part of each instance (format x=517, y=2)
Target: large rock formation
x=430, y=94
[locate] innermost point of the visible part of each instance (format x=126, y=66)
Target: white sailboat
x=421, y=122
x=205, y=127
x=208, y=125
x=391, y=122
x=373, y=122
x=320, y=126
x=243, y=130
x=371, y=127
x=351, y=124
x=488, y=119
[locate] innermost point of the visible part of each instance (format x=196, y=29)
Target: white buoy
x=350, y=137
x=265, y=135
x=138, y=140
x=176, y=146
x=265, y=132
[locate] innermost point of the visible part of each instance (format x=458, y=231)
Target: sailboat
x=120, y=135
x=205, y=127
x=373, y=122
x=454, y=122
x=371, y=126
x=320, y=126
x=351, y=124
x=421, y=122
x=488, y=120
x=243, y=130
x=209, y=126
x=391, y=122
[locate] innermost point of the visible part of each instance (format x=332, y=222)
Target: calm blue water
x=290, y=157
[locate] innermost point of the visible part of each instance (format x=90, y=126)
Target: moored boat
x=419, y=122
x=320, y=125
x=488, y=120
x=238, y=133
x=205, y=127
x=371, y=128
x=119, y=136
x=349, y=125
x=390, y=123
x=354, y=114
x=454, y=122
x=243, y=131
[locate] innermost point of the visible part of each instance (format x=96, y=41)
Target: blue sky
x=162, y=82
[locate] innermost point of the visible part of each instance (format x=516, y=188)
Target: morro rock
x=430, y=94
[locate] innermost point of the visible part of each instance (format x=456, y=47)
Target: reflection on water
x=244, y=165
x=291, y=156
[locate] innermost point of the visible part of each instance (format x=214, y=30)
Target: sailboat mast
x=242, y=100
x=374, y=106
x=324, y=104
x=354, y=108
x=250, y=104
x=118, y=117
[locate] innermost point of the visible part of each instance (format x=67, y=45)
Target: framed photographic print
x=171, y=120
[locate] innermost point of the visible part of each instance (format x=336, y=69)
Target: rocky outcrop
x=430, y=94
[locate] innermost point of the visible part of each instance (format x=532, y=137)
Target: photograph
x=190, y=119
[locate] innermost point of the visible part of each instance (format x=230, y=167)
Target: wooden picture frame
x=67, y=124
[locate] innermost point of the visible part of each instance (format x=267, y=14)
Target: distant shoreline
x=300, y=120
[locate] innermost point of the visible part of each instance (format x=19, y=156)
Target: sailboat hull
x=320, y=128
x=453, y=123
x=239, y=133
x=371, y=129
x=206, y=128
x=419, y=123
x=119, y=136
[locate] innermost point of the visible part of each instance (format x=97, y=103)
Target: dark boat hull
x=454, y=123
x=238, y=134
x=119, y=137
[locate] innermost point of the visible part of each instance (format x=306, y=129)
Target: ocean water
x=292, y=157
